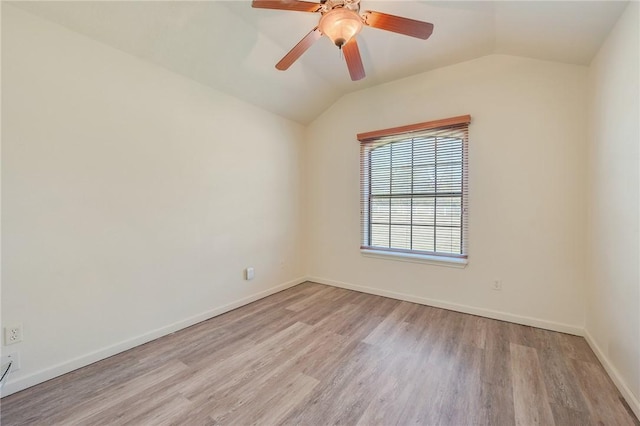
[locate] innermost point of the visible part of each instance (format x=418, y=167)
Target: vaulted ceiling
x=232, y=47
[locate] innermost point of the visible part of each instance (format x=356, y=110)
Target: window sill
x=451, y=262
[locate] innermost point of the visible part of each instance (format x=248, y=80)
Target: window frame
x=395, y=135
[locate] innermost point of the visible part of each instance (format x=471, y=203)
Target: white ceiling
x=232, y=47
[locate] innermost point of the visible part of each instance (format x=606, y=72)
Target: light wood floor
x=316, y=355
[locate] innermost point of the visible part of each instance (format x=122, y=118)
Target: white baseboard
x=48, y=373
x=631, y=399
x=488, y=313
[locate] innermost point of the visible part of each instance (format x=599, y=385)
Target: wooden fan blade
x=295, y=5
x=398, y=24
x=299, y=49
x=354, y=61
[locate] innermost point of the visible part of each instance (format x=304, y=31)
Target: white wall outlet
x=248, y=273
x=13, y=334
x=496, y=285
x=13, y=356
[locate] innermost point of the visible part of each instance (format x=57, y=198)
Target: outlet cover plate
x=249, y=273
x=13, y=334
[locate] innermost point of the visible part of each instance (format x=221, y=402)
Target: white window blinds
x=414, y=188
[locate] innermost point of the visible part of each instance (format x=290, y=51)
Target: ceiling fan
x=341, y=21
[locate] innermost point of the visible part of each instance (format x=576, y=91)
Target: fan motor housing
x=329, y=5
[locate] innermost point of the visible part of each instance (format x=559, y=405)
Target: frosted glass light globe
x=340, y=25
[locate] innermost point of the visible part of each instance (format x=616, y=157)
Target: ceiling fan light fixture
x=340, y=25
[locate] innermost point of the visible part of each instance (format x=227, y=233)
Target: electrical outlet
x=496, y=285
x=14, y=357
x=13, y=334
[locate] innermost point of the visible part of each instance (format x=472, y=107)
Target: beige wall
x=613, y=274
x=132, y=198
x=527, y=189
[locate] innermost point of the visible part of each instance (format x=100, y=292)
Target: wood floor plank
x=464, y=384
x=389, y=400
x=135, y=405
x=44, y=400
x=316, y=355
x=112, y=396
x=575, y=347
x=497, y=359
x=431, y=376
x=496, y=377
x=329, y=359
x=339, y=399
x=411, y=340
x=523, y=335
x=233, y=394
x=475, y=331
x=310, y=300
x=161, y=412
x=272, y=405
x=562, y=388
x=226, y=328
x=529, y=393
x=565, y=416
x=226, y=373
x=390, y=323
x=604, y=404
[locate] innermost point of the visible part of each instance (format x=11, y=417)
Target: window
x=414, y=188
